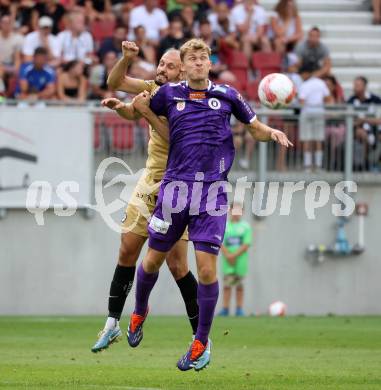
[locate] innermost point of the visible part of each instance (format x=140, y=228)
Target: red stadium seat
x=265, y=63
x=252, y=90
x=238, y=64
x=238, y=60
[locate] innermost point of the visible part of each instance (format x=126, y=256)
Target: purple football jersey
x=200, y=135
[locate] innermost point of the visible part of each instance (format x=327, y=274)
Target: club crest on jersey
x=214, y=104
x=180, y=106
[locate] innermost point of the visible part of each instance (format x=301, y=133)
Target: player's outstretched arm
x=117, y=79
x=262, y=132
x=126, y=111
x=160, y=124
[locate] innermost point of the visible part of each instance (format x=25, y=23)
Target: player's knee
x=206, y=273
x=128, y=253
x=177, y=267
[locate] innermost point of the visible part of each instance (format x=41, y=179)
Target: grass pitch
x=248, y=353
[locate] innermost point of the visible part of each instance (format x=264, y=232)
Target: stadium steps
x=338, y=45
x=346, y=31
x=324, y=5
x=356, y=59
x=358, y=18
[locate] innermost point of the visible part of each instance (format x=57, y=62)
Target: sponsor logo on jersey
x=197, y=95
x=180, y=106
x=214, y=104
x=158, y=225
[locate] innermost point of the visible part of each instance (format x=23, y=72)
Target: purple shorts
x=200, y=206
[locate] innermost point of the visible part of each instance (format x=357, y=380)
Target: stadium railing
x=344, y=156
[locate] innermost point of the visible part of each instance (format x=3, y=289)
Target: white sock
x=111, y=323
x=319, y=158
x=307, y=159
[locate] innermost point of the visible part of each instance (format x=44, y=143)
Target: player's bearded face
x=197, y=65
x=168, y=69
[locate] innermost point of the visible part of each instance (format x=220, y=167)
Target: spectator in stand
x=10, y=47
x=2, y=84
x=52, y=9
x=313, y=54
x=286, y=26
x=76, y=43
x=366, y=132
x=98, y=77
x=42, y=38
x=96, y=9
x=190, y=25
x=376, y=5
x=37, y=79
x=313, y=94
x=114, y=43
x=336, y=93
x=175, y=37
x=221, y=21
x=334, y=127
x=123, y=17
x=218, y=71
x=147, y=51
x=174, y=7
x=24, y=16
x=72, y=84
x=361, y=95
x=250, y=19
x=152, y=18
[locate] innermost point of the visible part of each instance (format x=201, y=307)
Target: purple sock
x=144, y=286
x=207, y=295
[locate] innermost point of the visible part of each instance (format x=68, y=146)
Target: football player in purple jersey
x=193, y=192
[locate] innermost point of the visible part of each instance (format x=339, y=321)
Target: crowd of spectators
x=64, y=50
x=88, y=31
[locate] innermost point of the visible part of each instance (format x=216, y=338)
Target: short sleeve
x=23, y=72
x=158, y=102
x=248, y=235
x=302, y=92
x=324, y=51
x=240, y=108
x=51, y=76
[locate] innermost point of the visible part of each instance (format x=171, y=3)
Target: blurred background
x=54, y=60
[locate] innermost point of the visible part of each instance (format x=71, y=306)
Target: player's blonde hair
x=193, y=44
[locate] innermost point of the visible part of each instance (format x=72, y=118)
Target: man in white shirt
x=221, y=22
x=250, y=19
x=76, y=43
x=42, y=38
x=313, y=94
x=10, y=46
x=152, y=18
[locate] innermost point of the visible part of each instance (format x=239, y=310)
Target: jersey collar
x=209, y=85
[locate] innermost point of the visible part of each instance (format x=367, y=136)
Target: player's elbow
x=112, y=83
